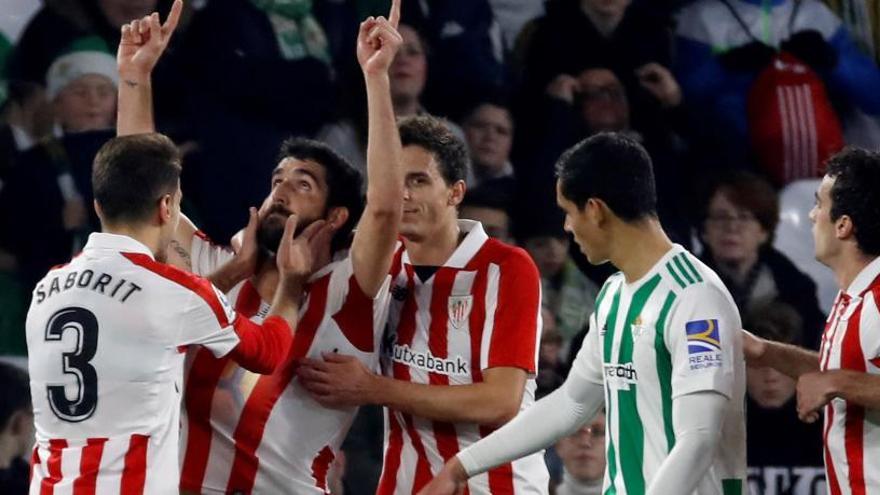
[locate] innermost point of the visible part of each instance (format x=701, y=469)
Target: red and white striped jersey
x=852, y=341
x=104, y=336
x=247, y=433
x=480, y=310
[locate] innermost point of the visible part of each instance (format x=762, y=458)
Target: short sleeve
x=702, y=338
x=208, y=320
x=869, y=331
x=588, y=362
x=207, y=256
x=352, y=309
x=513, y=329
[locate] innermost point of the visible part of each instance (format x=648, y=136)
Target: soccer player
x=663, y=353
x=248, y=434
x=461, y=346
x=843, y=379
x=106, y=334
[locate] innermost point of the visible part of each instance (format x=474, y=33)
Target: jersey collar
x=115, y=242
x=474, y=239
x=864, y=278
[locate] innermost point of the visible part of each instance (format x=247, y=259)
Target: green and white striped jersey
x=674, y=332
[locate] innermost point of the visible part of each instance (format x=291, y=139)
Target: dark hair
x=434, y=136
x=856, y=193
x=749, y=192
x=16, y=391
x=776, y=321
x=613, y=168
x=495, y=99
x=131, y=173
x=344, y=182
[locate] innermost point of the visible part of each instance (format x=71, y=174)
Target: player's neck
x=436, y=248
x=265, y=279
x=848, y=265
x=147, y=236
x=637, y=247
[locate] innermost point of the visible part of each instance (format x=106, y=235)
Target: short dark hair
x=131, y=173
x=16, y=391
x=777, y=321
x=344, y=181
x=750, y=192
x=432, y=134
x=856, y=193
x=611, y=167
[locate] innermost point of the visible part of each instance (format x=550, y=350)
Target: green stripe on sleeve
x=691, y=267
x=674, y=275
x=682, y=270
x=732, y=487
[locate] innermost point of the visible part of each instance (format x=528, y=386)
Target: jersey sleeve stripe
x=198, y=285
x=259, y=405
x=53, y=466
x=89, y=466
x=674, y=275
x=690, y=266
x=134, y=474
x=664, y=369
x=678, y=264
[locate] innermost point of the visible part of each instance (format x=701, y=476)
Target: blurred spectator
x=784, y=454
x=488, y=129
x=513, y=15
x=566, y=292
x=25, y=118
x=257, y=71
x=465, y=51
x=489, y=204
x=633, y=39
x=739, y=221
x=862, y=19
x=16, y=430
x=575, y=108
x=82, y=89
x=551, y=364
x=724, y=51
x=583, y=459
x=60, y=22
x=408, y=76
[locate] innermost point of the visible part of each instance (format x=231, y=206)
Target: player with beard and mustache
x=249, y=434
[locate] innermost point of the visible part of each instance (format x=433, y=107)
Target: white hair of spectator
x=70, y=67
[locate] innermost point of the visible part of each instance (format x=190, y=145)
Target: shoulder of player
x=177, y=279
x=685, y=272
x=509, y=257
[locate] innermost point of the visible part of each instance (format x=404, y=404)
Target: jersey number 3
x=76, y=363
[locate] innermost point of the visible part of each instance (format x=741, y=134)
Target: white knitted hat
x=70, y=67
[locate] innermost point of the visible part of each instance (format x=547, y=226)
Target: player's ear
x=843, y=227
x=337, y=216
x=456, y=193
x=166, y=208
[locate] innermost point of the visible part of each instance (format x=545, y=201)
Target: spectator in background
x=566, y=292
x=16, y=430
x=583, y=459
x=488, y=130
x=257, y=72
x=723, y=46
x=739, y=219
x=551, y=365
x=25, y=118
x=633, y=39
x=408, y=76
x=489, y=204
x=81, y=87
x=784, y=455
x=595, y=101
x=513, y=15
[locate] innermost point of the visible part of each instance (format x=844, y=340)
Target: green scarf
x=5, y=51
x=298, y=32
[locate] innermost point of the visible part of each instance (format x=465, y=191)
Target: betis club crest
x=459, y=310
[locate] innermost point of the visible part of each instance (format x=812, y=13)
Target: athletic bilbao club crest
x=459, y=310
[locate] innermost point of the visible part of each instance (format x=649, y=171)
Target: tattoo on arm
x=130, y=83
x=183, y=253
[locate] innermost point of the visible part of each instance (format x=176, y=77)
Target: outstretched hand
x=143, y=41
x=378, y=41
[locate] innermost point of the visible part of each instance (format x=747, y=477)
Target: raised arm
x=142, y=43
x=141, y=46
x=376, y=234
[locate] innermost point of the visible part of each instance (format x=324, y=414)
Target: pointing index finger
x=394, y=14
x=173, y=17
